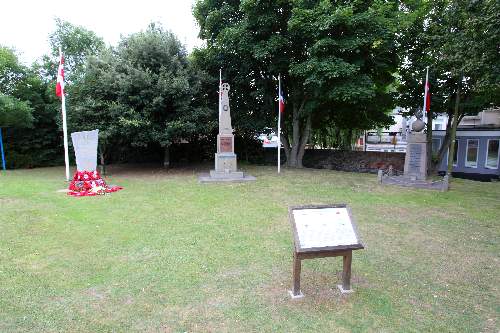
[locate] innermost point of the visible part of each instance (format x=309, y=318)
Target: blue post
x=1, y=150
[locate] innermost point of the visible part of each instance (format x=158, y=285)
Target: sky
x=26, y=25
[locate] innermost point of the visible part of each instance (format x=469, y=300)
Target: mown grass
x=167, y=254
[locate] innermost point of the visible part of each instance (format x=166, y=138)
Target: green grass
x=167, y=254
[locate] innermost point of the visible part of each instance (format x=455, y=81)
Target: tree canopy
x=459, y=41
x=140, y=93
x=336, y=59
x=14, y=113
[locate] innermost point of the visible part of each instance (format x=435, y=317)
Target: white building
x=393, y=138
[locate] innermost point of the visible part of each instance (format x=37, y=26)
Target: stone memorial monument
x=87, y=181
x=225, y=158
x=415, y=169
x=85, y=145
x=416, y=152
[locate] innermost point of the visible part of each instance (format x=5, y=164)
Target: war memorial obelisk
x=225, y=159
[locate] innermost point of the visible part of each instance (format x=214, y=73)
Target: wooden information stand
x=323, y=231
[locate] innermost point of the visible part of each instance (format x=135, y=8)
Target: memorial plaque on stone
x=416, y=156
x=225, y=144
x=323, y=231
x=415, y=162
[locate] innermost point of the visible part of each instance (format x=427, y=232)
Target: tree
x=459, y=41
x=14, y=113
x=139, y=93
x=24, y=89
x=77, y=44
x=336, y=59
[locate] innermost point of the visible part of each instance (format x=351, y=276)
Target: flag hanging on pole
x=60, y=93
x=427, y=94
x=60, y=76
x=281, y=100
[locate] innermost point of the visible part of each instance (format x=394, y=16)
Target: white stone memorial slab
x=85, y=145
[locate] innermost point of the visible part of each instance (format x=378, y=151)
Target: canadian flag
x=60, y=76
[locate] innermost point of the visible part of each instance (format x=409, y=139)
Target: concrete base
x=301, y=295
x=225, y=162
x=344, y=291
x=222, y=177
x=409, y=181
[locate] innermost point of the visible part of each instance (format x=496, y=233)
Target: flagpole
x=65, y=127
x=220, y=91
x=279, y=123
x=424, y=110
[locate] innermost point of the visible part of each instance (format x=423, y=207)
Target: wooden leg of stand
x=296, y=275
x=346, y=273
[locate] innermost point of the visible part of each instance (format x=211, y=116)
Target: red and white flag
x=427, y=94
x=60, y=76
x=281, y=100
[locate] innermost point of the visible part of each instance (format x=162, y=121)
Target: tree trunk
x=300, y=137
x=445, y=145
x=303, y=141
x=102, y=159
x=454, y=130
x=286, y=146
x=429, y=143
x=166, y=157
x=292, y=162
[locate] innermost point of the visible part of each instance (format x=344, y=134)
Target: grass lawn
x=167, y=254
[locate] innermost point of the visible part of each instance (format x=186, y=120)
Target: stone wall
x=356, y=161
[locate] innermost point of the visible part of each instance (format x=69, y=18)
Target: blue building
x=476, y=152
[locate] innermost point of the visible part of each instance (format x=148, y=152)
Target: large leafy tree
x=140, y=93
x=459, y=41
x=336, y=59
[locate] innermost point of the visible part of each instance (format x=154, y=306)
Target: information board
x=319, y=228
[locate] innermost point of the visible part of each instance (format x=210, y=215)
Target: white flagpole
x=220, y=91
x=65, y=126
x=279, y=123
x=424, y=112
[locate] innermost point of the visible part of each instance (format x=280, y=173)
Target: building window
x=455, y=153
x=471, y=154
x=437, y=127
x=492, y=154
x=436, y=144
